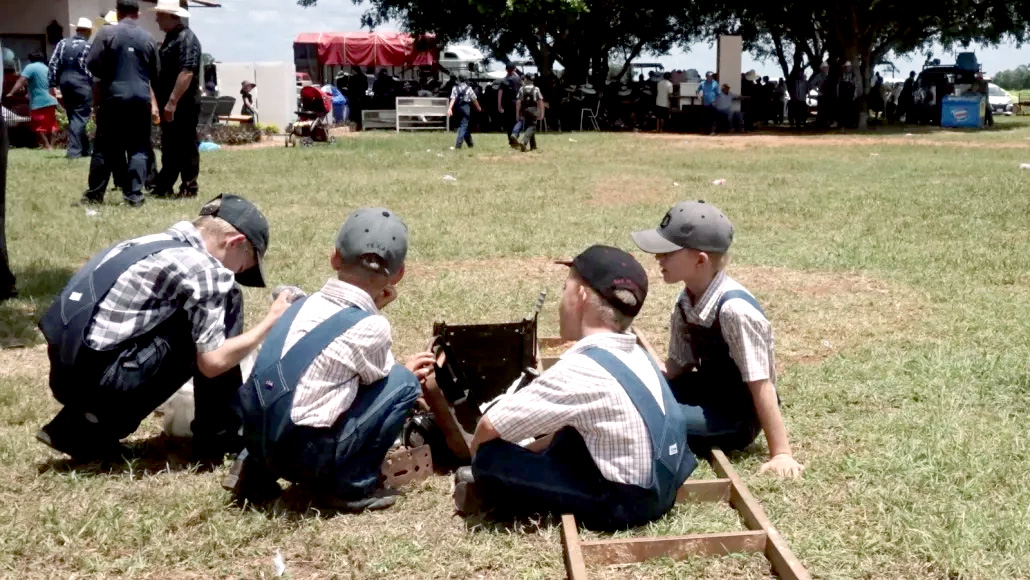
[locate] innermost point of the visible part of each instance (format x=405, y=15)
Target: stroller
x=312, y=119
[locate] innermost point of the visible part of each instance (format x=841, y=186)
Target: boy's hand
x=782, y=465
x=422, y=365
x=388, y=295
x=281, y=305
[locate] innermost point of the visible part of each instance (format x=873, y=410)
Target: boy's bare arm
x=781, y=462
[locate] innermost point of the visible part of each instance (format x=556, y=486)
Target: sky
x=263, y=30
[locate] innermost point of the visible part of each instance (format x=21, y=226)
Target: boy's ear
x=336, y=260
x=396, y=278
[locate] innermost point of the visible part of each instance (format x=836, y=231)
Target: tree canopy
x=583, y=34
x=1017, y=79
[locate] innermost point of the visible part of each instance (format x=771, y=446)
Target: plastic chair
x=207, y=111
x=590, y=115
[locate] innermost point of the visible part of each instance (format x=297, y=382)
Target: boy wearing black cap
x=721, y=362
x=327, y=400
x=143, y=316
x=614, y=449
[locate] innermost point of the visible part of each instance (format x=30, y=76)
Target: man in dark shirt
x=178, y=96
x=123, y=60
x=68, y=71
x=357, y=86
x=506, y=101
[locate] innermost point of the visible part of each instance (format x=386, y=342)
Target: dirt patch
x=627, y=190
x=748, y=141
x=815, y=314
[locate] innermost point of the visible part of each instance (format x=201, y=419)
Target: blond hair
x=605, y=311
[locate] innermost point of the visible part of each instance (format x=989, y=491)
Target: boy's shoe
x=513, y=142
x=247, y=485
x=80, y=441
x=467, y=499
x=379, y=500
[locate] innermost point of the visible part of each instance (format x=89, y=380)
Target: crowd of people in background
x=828, y=98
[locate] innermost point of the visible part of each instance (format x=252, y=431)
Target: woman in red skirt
x=36, y=78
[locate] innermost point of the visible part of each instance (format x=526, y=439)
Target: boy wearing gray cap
x=721, y=363
x=327, y=400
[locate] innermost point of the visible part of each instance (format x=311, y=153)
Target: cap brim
x=564, y=262
x=653, y=242
x=254, y=277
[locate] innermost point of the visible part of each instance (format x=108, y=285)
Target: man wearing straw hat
x=68, y=71
x=178, y=96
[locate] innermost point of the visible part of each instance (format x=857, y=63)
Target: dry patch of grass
x=630, y=190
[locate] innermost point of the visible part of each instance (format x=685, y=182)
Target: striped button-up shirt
x=747, y=332
x=577, y=392
x=357, y=357
x=151, y=290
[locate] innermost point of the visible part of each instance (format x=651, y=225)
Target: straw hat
x=111, y=17
x=83, y=22
x=751, y=75
x=171, y=7
x=248, y=84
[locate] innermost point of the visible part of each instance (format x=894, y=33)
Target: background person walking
x=464, y=98
x=69, y=72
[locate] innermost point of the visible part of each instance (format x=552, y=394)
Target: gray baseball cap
x=689, y=224
x=377, y=231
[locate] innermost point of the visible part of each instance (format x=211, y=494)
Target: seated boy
x=342, y=400
x=612, y=447
x=721, y=362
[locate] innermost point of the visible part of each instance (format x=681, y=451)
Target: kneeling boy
x=327, y=401
x=613, y=450
x=142, y=317
x=721, y=363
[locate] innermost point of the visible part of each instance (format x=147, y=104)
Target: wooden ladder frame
x=760, y=537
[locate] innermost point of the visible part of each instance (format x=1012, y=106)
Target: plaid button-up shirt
x=577, y=392
x=150, y=291
x=746, y=331
x=357, y=357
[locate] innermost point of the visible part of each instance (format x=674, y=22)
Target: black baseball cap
x=689, y=224
x=248, y=219
x=606, y=270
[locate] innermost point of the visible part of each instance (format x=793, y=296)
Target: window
x=21, y=45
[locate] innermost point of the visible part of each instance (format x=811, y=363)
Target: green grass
x=895, y=270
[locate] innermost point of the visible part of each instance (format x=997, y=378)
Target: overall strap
x=642, y=399
x=272, y=349
x=86, y=291
x=743, y=295
x=303, y=353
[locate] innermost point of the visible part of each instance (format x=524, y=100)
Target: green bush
x=268, y=128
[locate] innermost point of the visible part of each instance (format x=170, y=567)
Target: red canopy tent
x=386, y=49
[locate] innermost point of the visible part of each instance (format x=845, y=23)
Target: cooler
x=965, y=111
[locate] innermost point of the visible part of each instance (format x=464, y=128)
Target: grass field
x=895, y=269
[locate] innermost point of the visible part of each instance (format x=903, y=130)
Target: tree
x=865, y=32
x=1015, y=80
x=579, y=34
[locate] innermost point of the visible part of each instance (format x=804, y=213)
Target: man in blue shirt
x=69, y=72
x=123, y=60
x=43, y=106
x=708, y=90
